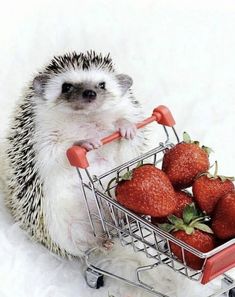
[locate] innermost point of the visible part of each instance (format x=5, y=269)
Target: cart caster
x=229, y=283
x=231, y=293
x=94, y=279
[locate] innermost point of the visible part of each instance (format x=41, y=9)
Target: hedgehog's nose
x=89, y=94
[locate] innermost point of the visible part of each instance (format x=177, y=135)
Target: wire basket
x=138, y=231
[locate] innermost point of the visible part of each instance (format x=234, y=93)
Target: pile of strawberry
x=203, y=219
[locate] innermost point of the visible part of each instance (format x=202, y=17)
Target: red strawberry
x=193, y=232
x=199, y=240
x=184, y=162
x=183, y=198
x=147, y=190
x=223, y=220
x=208, y=189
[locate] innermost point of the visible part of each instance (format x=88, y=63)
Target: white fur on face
x=93, y=75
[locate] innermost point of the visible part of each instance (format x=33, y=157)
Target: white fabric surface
x=179, y=53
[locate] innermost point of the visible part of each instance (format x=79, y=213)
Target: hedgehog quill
x=77, y=99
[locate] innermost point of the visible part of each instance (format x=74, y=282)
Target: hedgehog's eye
x=102, y=85
x=66, y=87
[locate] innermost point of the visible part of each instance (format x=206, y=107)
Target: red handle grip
x=77, y=155
x=218, y=264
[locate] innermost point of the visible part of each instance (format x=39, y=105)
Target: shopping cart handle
x=77, y=155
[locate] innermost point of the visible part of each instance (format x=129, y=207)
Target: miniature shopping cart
x=138, y=231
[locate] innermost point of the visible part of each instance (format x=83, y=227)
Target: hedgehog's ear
x=125, y=82
x=39, y=83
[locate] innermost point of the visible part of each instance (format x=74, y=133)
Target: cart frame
x=138, y=231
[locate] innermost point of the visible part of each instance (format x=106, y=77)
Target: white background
x=179, y=53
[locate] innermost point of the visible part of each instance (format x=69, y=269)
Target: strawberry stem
x=216, y=168
x=221, y=177
x=125, y=176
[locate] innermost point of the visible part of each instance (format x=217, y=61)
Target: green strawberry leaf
x=139, y=164
x=196, y=143
x=203, y=227
x=202, y=174
x=208, y=150
x=192, y=219
x=175, y=220
x=186, y=138
x=190, y=212
x=224, y=178
x=166, y=227
x=126, y=176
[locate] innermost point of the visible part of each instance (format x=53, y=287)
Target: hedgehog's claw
x=127, y=129
x=89, y=144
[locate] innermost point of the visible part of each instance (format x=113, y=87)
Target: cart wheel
x=232, y=293
x=94, y=279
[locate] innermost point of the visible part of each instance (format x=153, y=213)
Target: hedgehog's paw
x=89, y=144
x=127, y=129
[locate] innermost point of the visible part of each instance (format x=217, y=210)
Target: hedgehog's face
x=82, y=90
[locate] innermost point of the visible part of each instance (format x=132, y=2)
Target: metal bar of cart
x=138, y=284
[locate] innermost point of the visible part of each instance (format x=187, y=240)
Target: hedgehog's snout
x=90, y=95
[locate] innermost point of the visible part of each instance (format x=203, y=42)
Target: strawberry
x=208, y=189
x=184, y=162
x=183, y=198
x=191, y=231
x=223, y=222
x=146, y=190
x=199, y=240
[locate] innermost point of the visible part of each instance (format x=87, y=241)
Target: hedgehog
x=78, y=98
